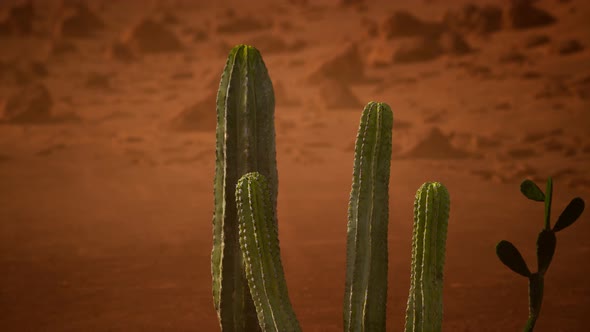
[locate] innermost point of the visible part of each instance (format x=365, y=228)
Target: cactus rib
x=245, y=137
x=431, y=214
x=368, y=215
x=261, y=253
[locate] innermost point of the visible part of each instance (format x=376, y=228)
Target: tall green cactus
x=365, y=296
x=431, y=214
x=245, y=143
x=262, y=257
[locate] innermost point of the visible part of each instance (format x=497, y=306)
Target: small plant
x=546, y=242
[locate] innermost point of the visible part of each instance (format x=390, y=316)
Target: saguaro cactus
x=365, y=296
x=245, y=143
x=431, y=215
x=262, y=257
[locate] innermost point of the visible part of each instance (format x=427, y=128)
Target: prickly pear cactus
x=546, y=243
x=365, y=295
x=262, y=257
x=425, y=301
x=245, y=143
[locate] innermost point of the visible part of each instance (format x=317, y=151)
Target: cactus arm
x=245, y=137
x=431, y=214
x=261, y=253
x=365, y=295
x=414, y=314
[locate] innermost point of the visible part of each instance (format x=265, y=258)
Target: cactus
x=245, y=143
x=249, y=288
x=260, y=248
x=431, y=214
x=365, y=296
x=546, y=243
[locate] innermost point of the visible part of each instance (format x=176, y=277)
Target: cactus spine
x=365, y=297
x=262, y=258
x=431, y=214
x=245, y=142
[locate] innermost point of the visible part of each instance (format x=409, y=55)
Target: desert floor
x=107, y=153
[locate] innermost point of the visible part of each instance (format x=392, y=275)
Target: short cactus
x=262, y=258
x=365, y=295
x=424, y=312
x=245, y=143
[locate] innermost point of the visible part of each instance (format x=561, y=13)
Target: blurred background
x=107, y=152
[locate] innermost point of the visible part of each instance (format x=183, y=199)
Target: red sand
x=106, y=204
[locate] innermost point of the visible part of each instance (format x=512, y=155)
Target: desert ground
x=107, y=152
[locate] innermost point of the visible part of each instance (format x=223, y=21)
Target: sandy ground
x=107, y=153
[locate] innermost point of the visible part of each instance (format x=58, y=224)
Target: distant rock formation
x=534, y=41
x=120, y=52
x=77, y=20
x=404, y=24
x=474, y=19
x=567, y=47
x=346, y=66
x=18, y=20
x=151, y=37
x=335, y=94
x=201, y=116
x=453, y=43
x=523, y=14
x=418, y=49
x=29, y=104
x=22, y=72
x=436, y=145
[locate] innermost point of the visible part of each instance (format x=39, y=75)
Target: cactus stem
x=245, y=143
x=431, y=213
x=365, y=297
x=261, y=252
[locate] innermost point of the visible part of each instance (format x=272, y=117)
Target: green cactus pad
x=570, y=214
x=262, y=259
x=365, y=295
x=531, y=191
x=511, y=257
